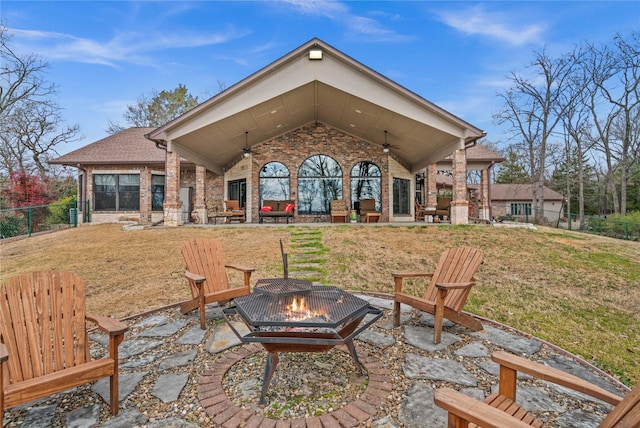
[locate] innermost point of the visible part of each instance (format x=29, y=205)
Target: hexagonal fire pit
x=291, y=315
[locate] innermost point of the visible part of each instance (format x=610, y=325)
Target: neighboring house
x=122, y=178
x=516, y=200
x=439, y=181
x=313, y=126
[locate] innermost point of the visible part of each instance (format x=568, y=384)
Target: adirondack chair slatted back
x=626, y=413
x=456, y=265
x=204, y=257
x=42, y=323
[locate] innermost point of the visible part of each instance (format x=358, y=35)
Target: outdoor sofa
x=277, y=209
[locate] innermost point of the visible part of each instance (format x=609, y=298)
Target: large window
x=401, y=196
x=366, y=182
x=157, y=192
x=521, y=209
x=274, y=182
x=319, y=182
x=116, y=192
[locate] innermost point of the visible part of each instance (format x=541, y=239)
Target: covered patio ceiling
x=297, y=90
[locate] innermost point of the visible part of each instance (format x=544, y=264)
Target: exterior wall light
x=315, y=54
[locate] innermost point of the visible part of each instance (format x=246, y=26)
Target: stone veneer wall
x=293, y=148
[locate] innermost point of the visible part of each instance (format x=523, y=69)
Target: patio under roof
x=315, y=83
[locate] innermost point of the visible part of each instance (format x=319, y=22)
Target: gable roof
x=123, y=148
x=478, y=157
x=520, y=192
x=296, y=90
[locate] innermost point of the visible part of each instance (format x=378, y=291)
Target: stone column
x=172, y=206
x=459, y=202
x=200, y=207
x=431, y=187
x=145, y=195
x=484, y=208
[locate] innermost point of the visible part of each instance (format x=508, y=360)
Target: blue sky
x=104, y=54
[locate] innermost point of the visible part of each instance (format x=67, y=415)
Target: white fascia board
x=194, y=157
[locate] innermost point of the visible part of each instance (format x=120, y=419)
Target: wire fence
x=597, y=225
x=34, y=219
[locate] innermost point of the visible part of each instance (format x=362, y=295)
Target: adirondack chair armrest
x=240, y=268
x=247, y=273
x=511, y=364
x=108, y=325
x=453, y=285
x=464, y=408
x=411, y=274
x=398, y=277
x=4, y=354
x=194, y=277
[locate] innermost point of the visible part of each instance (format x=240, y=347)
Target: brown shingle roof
x=478, y=152
x=520, y=192
x=126, y=147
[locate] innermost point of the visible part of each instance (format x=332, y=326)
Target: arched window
x=366, y=183
x=274, y=182
x=319, y=181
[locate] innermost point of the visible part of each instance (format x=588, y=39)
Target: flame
x=298, y=310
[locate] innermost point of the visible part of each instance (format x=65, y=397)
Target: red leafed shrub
x=25, y=190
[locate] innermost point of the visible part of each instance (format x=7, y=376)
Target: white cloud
x=328, y=9
x=125, y=47
x=374, y=30
x=496, y=25
x=339, y=12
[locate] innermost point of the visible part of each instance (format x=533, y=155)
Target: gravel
x=304, y=384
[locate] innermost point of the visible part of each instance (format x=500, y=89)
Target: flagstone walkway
x=162, y=350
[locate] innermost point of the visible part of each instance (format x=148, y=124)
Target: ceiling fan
x=246, y=152
x=386, y=146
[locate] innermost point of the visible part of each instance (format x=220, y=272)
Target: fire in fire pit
x=299, y=311
x=290, y=315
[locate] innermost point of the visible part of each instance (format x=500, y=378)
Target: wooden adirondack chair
x=236, y=213
x=501, y=409
x=45, y=347
x=339, y=212
x=447, y=292
x=207, y=275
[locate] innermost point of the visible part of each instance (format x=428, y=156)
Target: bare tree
x=20, y=76
x=615, y=80
x=31, y=134
x=533, y=108
x=576, y=124
x=32, y=124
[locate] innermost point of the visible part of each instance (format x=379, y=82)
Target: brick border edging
x=226, y=414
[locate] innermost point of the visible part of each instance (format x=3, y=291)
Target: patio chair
x=443, y=207
x=420, y=211
x=447, y=291
x=45, y=346
x=237, y=213
x=207, y=275
x=501, y=409
x=339, y=212
x=215, y=210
